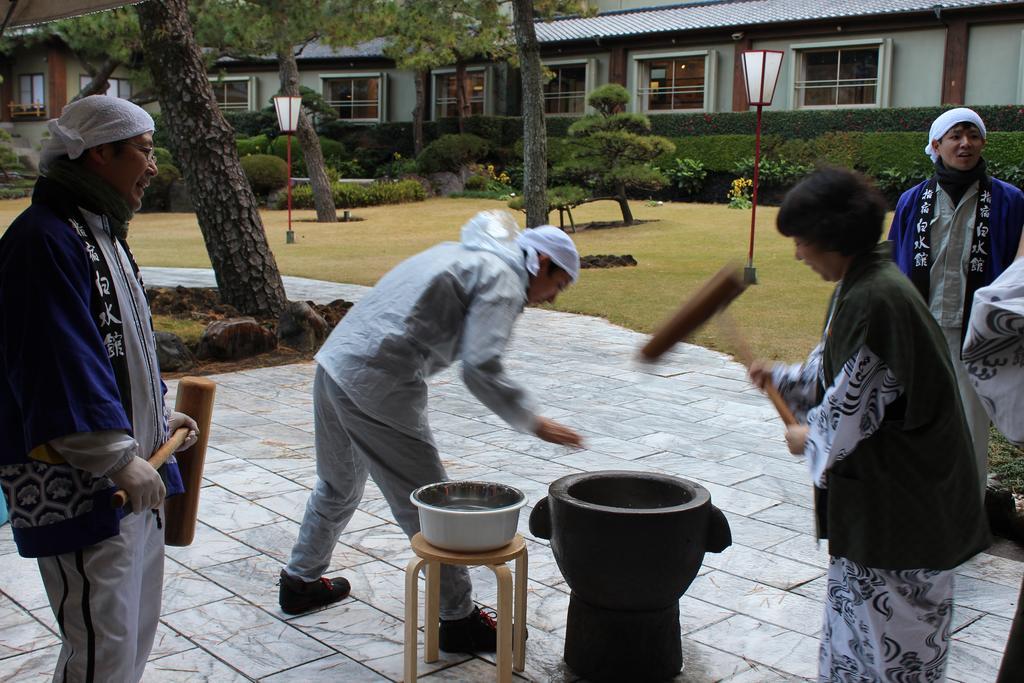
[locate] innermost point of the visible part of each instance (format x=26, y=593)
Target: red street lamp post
x=761, y=74
x=288, y=109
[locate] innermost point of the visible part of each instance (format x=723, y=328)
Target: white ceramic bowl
x=468, y=516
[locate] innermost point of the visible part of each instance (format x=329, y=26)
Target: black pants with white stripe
x=106, y=599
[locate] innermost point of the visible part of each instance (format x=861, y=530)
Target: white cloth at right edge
x=994, y=350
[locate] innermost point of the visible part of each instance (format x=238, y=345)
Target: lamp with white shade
x=761, y=74
x=288, y=110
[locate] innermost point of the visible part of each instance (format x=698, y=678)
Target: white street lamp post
x=761, y=74
x=288, y=109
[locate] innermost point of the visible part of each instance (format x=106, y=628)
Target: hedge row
x=811, y=124
x=351, y=195
x=869, y=152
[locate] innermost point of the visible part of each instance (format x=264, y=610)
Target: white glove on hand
x=177, y=420
x=141, y=482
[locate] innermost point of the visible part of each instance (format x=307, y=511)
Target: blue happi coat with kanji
x=56, y=379
x=1004, y=228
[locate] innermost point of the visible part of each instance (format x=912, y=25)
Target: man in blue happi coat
x=953, y=234
x=81, y=400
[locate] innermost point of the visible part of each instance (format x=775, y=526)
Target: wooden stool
x=433, y=557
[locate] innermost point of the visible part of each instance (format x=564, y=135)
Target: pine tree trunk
x=419, y=112
x=535, y=140
x=323, y=198
x=204, y=143
x=620, y=197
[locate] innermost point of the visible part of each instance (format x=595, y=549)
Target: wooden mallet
x=713, y=297
x=195, y=399
x=716, y=294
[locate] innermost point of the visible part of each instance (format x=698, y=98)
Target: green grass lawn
x=681, y=246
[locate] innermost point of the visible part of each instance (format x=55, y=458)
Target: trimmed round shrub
x=353, y=195
x=476, y=182
x=265, y=173
x=333, y=151
x=452, y=152
x=155, y=198
x=163, y=158
x=257, y=144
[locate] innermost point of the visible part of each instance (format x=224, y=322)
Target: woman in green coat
x=885, y=440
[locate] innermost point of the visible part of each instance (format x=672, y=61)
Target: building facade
x=672, y=57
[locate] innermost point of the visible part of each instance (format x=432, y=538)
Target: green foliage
x=163, y=157
x=476, y=182
x=500, y=131
x=396, y=167
x=739, y=193
x=265, y=173
x=353, y=195
x=812, y=123
x=452, y=152
x=251, y=123
x=893, y=181
x=718, y=152
x=610, y=152
x=9, y=160
x=904, y=151
x=1006, y=462
x=156, y=196
x=1004, y=148
x=333, y=151
x=609, y=99
x=777, y=172
x=686, y=174
x=560, y=197
x=257, y=144
x=1008, y=172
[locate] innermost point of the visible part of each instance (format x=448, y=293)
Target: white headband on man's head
x=946, y=121
x=547, y=239
x=92, y=121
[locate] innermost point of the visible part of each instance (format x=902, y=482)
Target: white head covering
x=547, y=239
x=946, y=121
x=92, y=121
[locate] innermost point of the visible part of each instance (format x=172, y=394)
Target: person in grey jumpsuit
x=454, y=301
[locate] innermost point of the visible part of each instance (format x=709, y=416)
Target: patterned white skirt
x=885, y=625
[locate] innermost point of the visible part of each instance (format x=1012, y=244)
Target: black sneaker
x=298, y=596
x=477, y=632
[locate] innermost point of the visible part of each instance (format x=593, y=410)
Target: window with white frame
x=116, y=87
x=445, y=99
x=31, y=89
x=356, y=97
x=672, y=83
x=566, y=92
x=840, y=76
x=232, y=94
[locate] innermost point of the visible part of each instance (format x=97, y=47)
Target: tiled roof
x=727, y=13
x=317, y=50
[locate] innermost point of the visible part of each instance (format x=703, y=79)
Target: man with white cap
x=954, y=233
x=81, y=401
x=455, y=301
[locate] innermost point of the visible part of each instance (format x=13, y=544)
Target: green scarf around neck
x=92, y=193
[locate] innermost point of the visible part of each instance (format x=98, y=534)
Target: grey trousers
x=974, y=409
x=350, y=444
x=106, y=599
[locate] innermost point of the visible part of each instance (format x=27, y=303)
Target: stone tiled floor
x=753, y=614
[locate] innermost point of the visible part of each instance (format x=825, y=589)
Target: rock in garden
x=446, y=183
x=607, y=261
x=332, y=312
x=301, y=327
x=172, y=354
x=235, y=338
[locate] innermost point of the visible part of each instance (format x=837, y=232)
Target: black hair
x=834, y=209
